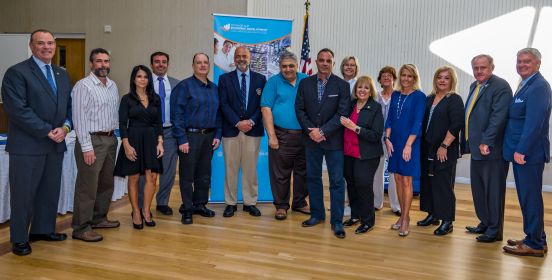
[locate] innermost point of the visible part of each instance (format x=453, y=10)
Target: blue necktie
x=244, y=91
x=162, y=96
x=50, y=79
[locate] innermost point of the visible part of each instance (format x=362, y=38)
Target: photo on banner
x=266, y=39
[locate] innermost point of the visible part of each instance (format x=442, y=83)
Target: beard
x=102, y=72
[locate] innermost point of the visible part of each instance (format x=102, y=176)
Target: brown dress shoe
x=516, y=242
x=305, y=210
x=281, y=214
x=523, y=250
x=88, y=236
x=107, y=224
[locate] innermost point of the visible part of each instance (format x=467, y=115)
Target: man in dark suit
x=242, y=129
x=37, y=98
x=527, y=146
x=321, y=100
x=486, y=113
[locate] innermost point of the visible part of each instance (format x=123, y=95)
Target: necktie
x=470, y=107
x=162, y=97
x=50, y=79
x=243, y=90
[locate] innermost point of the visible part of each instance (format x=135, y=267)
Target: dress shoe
x=187, y=218
x=164, y=209
x=252, y=210
x=488, y=238
x=364, y=228
x=429, y=220
x=516, y=242
x=229, y=211
x=151, y=223
x=395, y=226
x=476, y=230
x=351, y=222
x=88, y=236
x=311, y=222
x=444, y=229
x=338, y=231
x=21, y=249
x=136, y=226
x=107, y=224
x=204, y=211
x=305, y=210
x=523, y=250
x=281, y=214
x=48, y=237
x=397, y=213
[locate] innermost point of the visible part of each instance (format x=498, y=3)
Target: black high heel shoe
x=150, y=223
x=136, y=226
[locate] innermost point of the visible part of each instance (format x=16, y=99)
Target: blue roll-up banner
x=266, y=38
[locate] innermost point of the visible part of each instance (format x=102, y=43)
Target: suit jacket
x=528, y=122
x=448, y=116
x=33, y=109
x=370, y=121
x=173, y=82
x=325, y=115
x=232, y=107
x=488, y=118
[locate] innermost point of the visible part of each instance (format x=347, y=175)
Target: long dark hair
x=150, y=92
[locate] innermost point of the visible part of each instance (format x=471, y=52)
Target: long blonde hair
x=414, y=71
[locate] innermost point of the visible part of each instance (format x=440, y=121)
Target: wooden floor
x=244, y=247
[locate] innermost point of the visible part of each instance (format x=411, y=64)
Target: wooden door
x=70, y=55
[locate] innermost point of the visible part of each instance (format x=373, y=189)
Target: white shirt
x=95, y=108
x=352, y=86
x=167, y=97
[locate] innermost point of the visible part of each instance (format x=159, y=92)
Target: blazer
x=528, y=122
x=33, y=109
x=448, y=116
x=370, y=121
x=231, y=105
x=325, y=115
x=173, y=82
x=487, y=119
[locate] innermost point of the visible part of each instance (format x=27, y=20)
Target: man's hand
x=89, y=157
x=184, y=148
x=519, y=158
x=216, y=143
x=57, y=134
x=244, y=126
x=484, y=149
x=315, y=135
x=273, y=142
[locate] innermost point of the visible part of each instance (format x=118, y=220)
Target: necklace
x=401, y=105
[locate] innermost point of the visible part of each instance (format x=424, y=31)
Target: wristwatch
x=357, y=130
x=321, y=132
x=443, y=145
x=385, y=138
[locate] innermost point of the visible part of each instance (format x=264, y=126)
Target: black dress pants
x=359, y=175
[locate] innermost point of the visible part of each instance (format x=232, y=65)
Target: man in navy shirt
x=197, y=128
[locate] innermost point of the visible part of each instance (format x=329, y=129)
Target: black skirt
x=144, y=141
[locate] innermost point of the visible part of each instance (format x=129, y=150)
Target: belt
x=103, y=133
x=167, y=127
x=200, y=130
x=290, y=131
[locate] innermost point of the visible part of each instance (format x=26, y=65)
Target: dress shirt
x=167, y=97
x=247, y=83
x=279, y=95
x=524, y=81
x=195, y=105
x=95, y=108
x=352, y=83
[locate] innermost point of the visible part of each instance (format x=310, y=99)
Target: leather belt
x=290, y=131
x=103, y=133
x=167, y=127
x=200, y=130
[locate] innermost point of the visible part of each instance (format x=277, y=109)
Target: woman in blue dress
x=402, y=131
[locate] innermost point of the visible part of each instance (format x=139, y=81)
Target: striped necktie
x=470, y=107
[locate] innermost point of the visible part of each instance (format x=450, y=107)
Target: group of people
x=359, y=131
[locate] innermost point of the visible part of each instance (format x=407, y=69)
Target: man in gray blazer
x=486, y=114
x=37, y=99
x=163, y=85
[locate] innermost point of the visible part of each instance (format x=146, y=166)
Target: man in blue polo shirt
x=286, y=152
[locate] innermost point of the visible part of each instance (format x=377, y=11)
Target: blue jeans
x=334, y=162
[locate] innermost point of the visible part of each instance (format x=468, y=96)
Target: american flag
x=306, y=66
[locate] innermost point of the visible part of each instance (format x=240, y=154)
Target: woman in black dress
x=443, y=120
x=141, y=132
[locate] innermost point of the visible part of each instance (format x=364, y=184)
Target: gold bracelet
x=67, y=129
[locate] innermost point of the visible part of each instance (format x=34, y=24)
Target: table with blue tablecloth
x=68, y=179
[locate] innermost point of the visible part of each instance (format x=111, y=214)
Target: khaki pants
x=241, y=151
